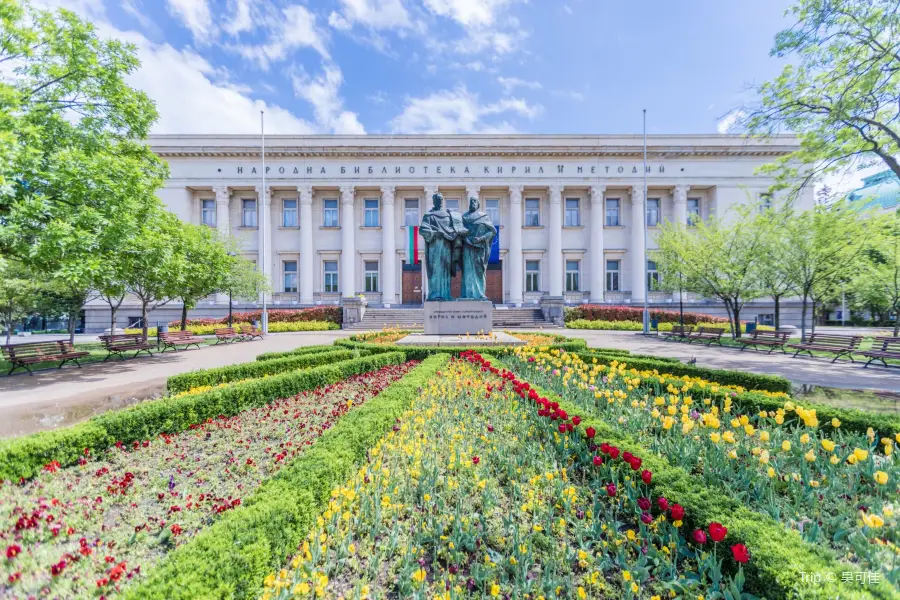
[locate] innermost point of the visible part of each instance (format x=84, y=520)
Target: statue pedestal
x=459, y=317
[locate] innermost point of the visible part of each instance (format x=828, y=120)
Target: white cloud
x=375, y=14
x=242, y=19
x=487, y=25
x=296, y=29
x=322, y=93
x=511, y=83
x=469, y=13
x=195, y=15
x=458, y=111
x=728, y=121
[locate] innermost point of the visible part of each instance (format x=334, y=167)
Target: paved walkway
x=56, y=397
x=801, y=371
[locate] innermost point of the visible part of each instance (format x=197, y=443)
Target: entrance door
x=412, y=284
x=494, y=283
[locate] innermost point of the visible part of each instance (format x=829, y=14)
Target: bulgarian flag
x=412, y=245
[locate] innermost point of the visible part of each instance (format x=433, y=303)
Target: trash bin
x=654, y=323
x=162, y=329
x=751, y=327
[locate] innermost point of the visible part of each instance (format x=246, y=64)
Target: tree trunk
x=112, y=319
x=730, y=319
x=813, y=327
x=803, y=304
x=737, y=320
x=144, y=318
x=184, y=309
x=72, y=316
x=777, y=300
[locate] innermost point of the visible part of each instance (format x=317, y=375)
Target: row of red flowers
x=607, y=452
x=332, y=314
x=601, y=312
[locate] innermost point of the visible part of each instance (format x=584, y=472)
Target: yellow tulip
x=828, y=445
x=881, y=477
x=785, y=445
x=810, y=456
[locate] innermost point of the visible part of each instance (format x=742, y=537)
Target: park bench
x=839, y=345
x=127, y=342
x=250, y=332
x=772, y=339
x=882, y=349
x=708, y=334
x=24, y=355
x=228, y=334
x=174, y=339
x=679, y=332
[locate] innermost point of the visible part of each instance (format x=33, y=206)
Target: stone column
x=597, y=220
x=348, y=243
x=638, y=259
x=554, y=253
x=307, y=262
x=472, y=191
x=680, y=196
x=223, y=200
x=264, y=227
x=388, y=247
x=516, y=273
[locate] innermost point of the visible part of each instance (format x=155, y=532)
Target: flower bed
x=482, y=492
x=602, y=312
x=332, y=314
x=836, y=487
x=605, y=325
x=277, y=327
x=93, y=527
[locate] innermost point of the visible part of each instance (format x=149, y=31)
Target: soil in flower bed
x=88, y=529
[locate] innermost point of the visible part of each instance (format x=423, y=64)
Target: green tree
x=204, y=268
x=18, y=294
x=879, y=279
x=840, y=91
x=716, y=258
x=774, y=277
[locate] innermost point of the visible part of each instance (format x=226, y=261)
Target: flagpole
x=263, y=255
x=644, y=226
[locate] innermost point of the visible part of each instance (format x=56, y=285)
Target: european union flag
x=494, y=258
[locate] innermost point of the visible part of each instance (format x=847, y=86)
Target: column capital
x=266, y=197
x=515, y=193
x=680, y=192
x=430, y=190
x=637, y=194
x=472, y=191
x=223, y=195
x=347, y=194
x=306, y=194
x=555, y=193
x=387, y=194
x=597, y=192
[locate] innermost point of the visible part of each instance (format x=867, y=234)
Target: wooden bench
x=839, y=345
x=121, y=343
x=679, y=332
x=24, y=355
x=250, y=332
x=174, y=339
x=882, y=349
x=709, y=334
x=772, y=339
x=228, y=334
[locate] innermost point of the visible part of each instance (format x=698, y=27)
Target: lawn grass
x=866, y=400
x=97, y=354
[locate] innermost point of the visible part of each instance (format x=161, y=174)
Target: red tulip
x=598, y=460
x=475, y=460
x=14, y=577
x=576, y=421
x=677, y=512
x=646, y=476
x=613, y=452
x=740, y=553
x=646, y=518
x=644, y=503
x=590, y=432
x=611, y=490
x=717, y=531
x=662, y=503
x=699, y=536
x=562, y=428
x=13, y=551
x=635, y=463
x=627, y=456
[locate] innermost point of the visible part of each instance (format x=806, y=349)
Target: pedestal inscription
x=458, y=318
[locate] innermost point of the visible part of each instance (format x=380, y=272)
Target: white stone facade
x=335, y=208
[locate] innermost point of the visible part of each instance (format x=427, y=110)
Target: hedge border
x=779, y=555
x=423, y=352
x=25, y=457
x=231, y=558
x=295, y=352
x=251, y=370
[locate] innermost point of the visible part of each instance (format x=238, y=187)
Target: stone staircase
x=413, y=318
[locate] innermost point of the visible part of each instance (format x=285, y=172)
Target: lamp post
x=230, y=323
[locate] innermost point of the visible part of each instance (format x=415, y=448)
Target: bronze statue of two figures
x=455, y=242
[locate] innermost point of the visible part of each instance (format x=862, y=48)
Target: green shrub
x=250, y=370
x=25, y=456
x=231, y=558
x=297, y=351
x=780, y=556
x=423, y=352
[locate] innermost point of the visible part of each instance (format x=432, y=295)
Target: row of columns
x=554, y=262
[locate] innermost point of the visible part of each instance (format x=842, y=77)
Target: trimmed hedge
x=423, y=352
x=628, y=355
x=251, y=370
x=231, y=558
x=779, y=555
x=605, y=312
x=25, y=456
x=750, y=381
x=296, y=351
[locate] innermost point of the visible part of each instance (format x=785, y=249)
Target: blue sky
x=444, y=66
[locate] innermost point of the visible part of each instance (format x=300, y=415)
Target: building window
x=612, y=212
x=331, y=277
x=135, y=322
x=411, y=212
x=572, y=270
x=492, y=208
x=652, y=212
x=573, y=216
x=532, y=276
x=330, y=212
x=652, y=276
x=208, y=212
x=290, y=276
x=693, y=211
x=371, y=270
x=289, y=212
x=769, y=319
x=612, y=276
x=248, y=213
x=371, y=214
x=532, y=212
x=451, y=204
x=765, y=202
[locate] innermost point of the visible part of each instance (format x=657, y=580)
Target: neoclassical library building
x=329, y=218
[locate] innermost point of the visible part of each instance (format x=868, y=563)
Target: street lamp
x=230, y=324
